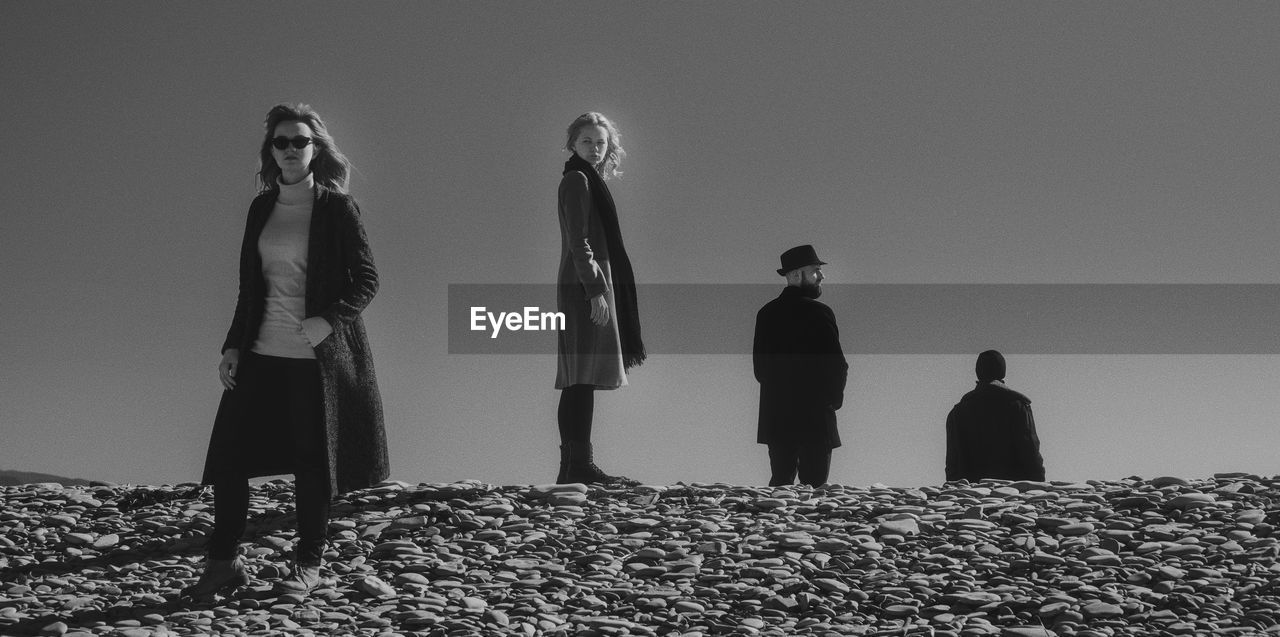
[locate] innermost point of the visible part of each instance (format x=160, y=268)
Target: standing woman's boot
x=225, y=571
x=219, y=576
x=303, y=578
x=313, y=518
x=562, y=477
x=582, y=468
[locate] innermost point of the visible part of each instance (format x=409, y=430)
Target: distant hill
x=11, y=478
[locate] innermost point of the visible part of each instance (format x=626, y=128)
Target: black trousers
x=288, y=390
x=813, y=463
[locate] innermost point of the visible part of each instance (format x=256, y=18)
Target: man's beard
x=810, y=290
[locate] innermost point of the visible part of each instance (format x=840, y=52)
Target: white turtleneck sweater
x=283, y=248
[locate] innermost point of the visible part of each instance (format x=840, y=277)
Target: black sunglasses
x=298, y=142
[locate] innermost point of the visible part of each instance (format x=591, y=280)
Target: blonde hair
x=331, y=169
x=613, y=157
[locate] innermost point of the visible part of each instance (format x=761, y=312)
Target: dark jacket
x=991, y=434
x=341, y=280
x=801, y=369
x=587, y=353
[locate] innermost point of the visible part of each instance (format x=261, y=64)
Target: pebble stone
x=1168, y=556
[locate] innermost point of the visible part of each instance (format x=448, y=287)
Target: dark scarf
x=624, y=280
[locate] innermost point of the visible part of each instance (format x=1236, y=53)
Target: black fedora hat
x=798, y=257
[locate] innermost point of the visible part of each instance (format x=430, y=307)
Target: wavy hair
x=609, y=166
x=329, y=167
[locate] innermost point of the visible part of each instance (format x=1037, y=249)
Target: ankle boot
x=218, y=576
x=581, y=467
x=305, y=574
x=303, y=579
x=562, y=477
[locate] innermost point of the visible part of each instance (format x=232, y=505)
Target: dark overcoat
x=801, y=369
x=341, y=280
x=991, y=434
x=587, y=353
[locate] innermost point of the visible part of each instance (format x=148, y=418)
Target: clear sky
x=910, y=142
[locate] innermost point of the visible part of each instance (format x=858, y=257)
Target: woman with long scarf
x=596, y=292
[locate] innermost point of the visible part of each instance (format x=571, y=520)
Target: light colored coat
x=588, y=354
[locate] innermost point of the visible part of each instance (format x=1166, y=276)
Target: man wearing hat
x=802, y=372
x=990, y=432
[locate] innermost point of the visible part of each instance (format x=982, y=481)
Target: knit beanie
x=990, y=366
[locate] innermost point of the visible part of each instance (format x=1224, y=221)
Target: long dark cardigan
x=341, y=280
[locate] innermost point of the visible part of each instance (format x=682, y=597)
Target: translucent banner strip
x=904, y=318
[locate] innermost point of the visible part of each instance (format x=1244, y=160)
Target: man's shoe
x=219, y=576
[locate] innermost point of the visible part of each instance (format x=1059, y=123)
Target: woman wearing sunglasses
x=300, y=394
x=596, y=292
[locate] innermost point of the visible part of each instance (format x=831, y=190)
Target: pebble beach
x=1162, y=556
